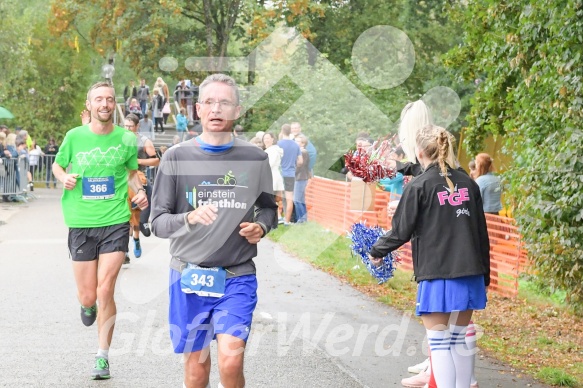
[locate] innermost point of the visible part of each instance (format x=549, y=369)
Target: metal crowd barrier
x=14, y=179
x=42, y=171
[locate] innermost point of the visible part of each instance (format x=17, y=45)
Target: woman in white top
x=275, y=154
x=35, y=155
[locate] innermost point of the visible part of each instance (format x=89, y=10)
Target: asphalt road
x=310, y=329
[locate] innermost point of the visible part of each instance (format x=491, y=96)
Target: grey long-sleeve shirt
x=238, y=181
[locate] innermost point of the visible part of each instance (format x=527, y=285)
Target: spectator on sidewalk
x=415, y=116
x=490, y=186
x=183, y=94
x=292, y=156
x=35, y=158
x=181, y=124
x=472, y=168
x=461, y=266
x=129, y=92
x=14, y=180
x=162, y=88
x=5, y=165
x=51, y=150
x=143, y=96
x=257, y=142
x=296, y=130
x=275, y=154
x=146, y=128
x=302, y=177
x=135, y=108
x=157, y=105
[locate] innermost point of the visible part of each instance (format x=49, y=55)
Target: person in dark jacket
x=441, y=212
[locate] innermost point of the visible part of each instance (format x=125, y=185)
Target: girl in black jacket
x=441, y=213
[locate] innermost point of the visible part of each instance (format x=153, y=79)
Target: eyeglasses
x=223, y=104
x=129, y=126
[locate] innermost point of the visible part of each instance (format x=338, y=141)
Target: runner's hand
x=204, y=215
x=140, y=199
x=251, y=231
x=70, y=181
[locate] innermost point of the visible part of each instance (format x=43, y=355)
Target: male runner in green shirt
x=96, y=210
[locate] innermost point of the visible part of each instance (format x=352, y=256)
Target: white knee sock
x=462, y=357
x=441, y=360
x=471, y=342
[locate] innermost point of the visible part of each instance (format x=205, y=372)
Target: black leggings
x=159, y=120
x=145, y=213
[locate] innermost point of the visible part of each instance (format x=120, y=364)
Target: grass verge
x=534, y=332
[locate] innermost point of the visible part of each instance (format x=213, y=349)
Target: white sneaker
x=422, y=366
x=418, y=381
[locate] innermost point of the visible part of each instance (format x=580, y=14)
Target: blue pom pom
x=363, y=238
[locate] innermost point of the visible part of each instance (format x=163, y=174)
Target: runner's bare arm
x=69, y=180
x=140, y=199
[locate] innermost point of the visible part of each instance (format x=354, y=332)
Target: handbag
x=166, y=108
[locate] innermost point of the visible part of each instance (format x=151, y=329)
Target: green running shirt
x=94, y=157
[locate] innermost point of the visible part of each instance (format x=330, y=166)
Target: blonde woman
x=414, y=116
x=162, y=88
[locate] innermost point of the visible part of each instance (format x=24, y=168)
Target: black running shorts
x=86, y=244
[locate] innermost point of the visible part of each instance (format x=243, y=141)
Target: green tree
x=333, y=27
x=528, y=55
x=45, y=79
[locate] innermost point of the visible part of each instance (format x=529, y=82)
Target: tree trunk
x=208, y=24
x=229, y=19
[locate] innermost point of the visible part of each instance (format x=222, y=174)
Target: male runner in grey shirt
x=212, y=199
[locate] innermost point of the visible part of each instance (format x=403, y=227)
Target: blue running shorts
x=196, y=320
x=447, y=295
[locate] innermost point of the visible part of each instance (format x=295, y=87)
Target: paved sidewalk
x=310, y=329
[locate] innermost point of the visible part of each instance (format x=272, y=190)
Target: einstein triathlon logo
x=218, y=190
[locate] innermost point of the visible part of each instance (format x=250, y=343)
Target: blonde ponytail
x=436, y=144
x=443, y=145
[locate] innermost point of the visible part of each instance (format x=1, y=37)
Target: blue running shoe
x=137, y=248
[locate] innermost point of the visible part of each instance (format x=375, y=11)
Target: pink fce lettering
x=454, y=199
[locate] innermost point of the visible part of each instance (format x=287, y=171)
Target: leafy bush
x=528, y=56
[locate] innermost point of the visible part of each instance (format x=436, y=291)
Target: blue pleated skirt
x=447, y=295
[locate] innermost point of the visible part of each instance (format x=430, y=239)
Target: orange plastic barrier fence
x=332, y=204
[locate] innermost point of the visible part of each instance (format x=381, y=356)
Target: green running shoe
x=88, y=315
x=101, y=370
